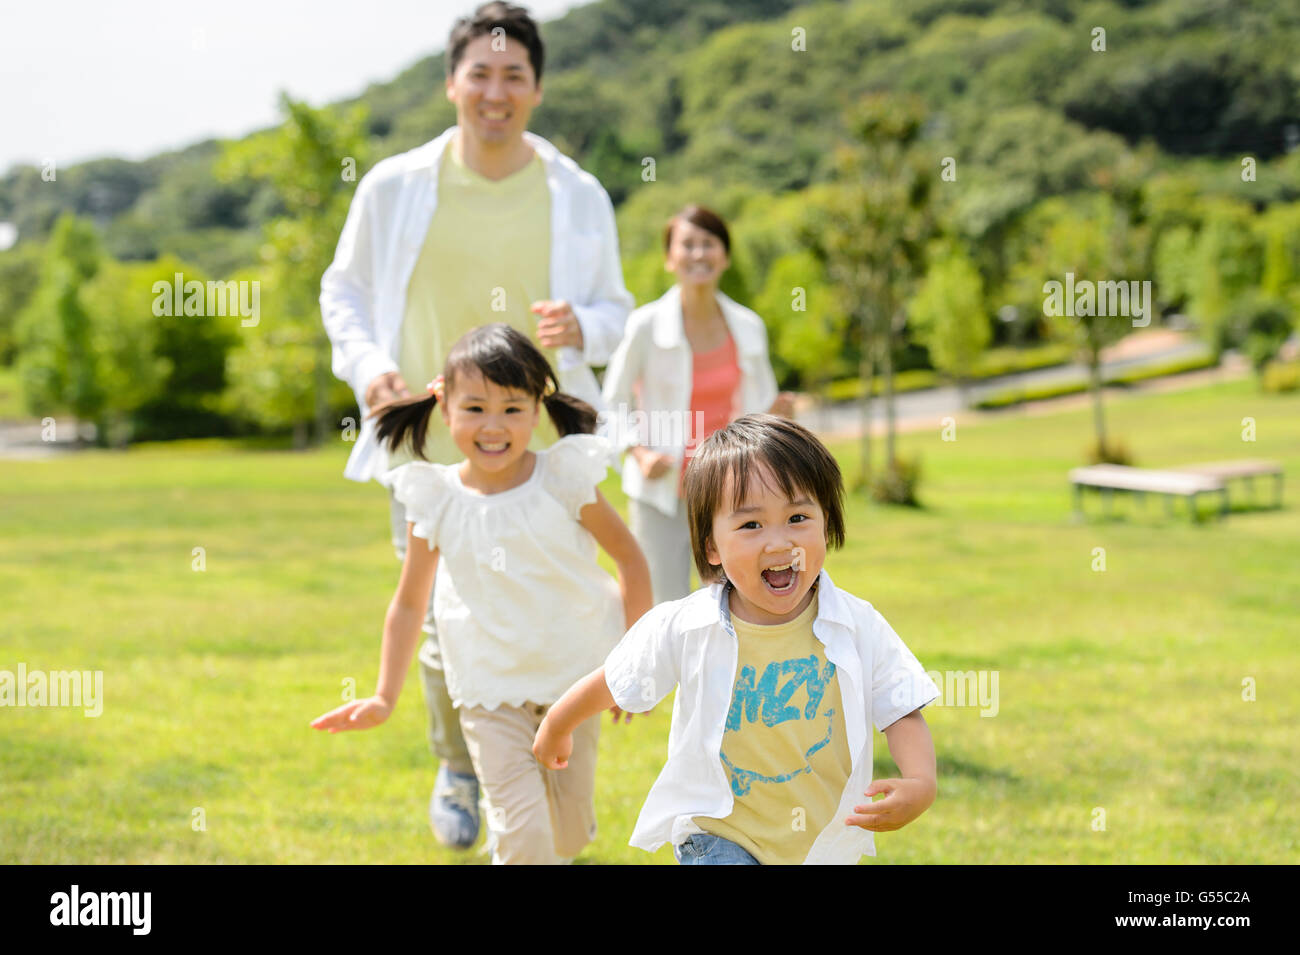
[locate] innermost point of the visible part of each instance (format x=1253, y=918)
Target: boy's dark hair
x=513, y=20
x=706, y=219
x=502, y=355
x=794, y=456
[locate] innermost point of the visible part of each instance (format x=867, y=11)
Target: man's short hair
x=514, y=22
x=793, y=455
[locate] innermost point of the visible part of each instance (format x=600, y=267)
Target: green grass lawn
x=1120, y=689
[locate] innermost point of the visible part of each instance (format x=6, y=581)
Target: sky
x=85, y=79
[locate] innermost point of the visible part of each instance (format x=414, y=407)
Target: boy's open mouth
x=780, y=580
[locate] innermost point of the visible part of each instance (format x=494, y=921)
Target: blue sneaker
x=453, y=809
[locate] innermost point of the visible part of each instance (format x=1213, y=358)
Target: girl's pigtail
x=571, y=415
x=406, y=420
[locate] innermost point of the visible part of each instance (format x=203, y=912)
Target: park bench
x=1188, y=481
x=1108, y=478
x=1247, y=470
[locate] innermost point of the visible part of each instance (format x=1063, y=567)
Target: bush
x=1281, y=377
x=1114, y=452
x=898, y=483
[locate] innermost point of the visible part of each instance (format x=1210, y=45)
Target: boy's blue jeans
x=704, y=848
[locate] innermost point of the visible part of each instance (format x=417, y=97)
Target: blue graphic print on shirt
x=753, y=700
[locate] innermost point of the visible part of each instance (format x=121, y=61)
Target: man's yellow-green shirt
x=486, y=258
x=784, y=748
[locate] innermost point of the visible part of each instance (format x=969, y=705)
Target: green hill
x=716, y=94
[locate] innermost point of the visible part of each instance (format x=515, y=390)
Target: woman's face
x=695, y=255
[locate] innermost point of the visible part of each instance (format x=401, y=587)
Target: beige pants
x=535, y=816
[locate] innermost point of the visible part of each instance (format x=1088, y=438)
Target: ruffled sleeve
x=575, y=465
x=423, y=490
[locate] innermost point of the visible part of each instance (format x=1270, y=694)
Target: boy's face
x=494, y=90
x=491, y=425
x=772, y=549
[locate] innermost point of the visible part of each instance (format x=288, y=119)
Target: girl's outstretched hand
x=619, y=711
x=356, y=715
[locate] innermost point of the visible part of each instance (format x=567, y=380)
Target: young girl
x=521, y=606
x=781, y=674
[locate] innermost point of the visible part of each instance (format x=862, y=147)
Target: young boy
x=781, y=674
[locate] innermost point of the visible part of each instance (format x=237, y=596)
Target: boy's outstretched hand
x=552, y=749
x=905, y=800
x=356, y=715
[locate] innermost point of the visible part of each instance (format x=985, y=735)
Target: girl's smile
x=492, y=426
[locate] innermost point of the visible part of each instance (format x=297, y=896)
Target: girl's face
x=491, y=425
x=772, y=549
x=695, y=255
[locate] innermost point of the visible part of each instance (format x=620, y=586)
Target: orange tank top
x=715, y=377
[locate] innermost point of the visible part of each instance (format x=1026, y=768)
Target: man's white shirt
x=363, y=292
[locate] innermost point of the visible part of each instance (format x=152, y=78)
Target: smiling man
x=486, y=223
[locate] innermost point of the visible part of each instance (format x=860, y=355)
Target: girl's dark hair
x=706, y=219
x=796, y=460
x=504, y=356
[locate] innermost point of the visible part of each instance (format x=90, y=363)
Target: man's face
x=772, y=549
x=494, y=90
x=491, y=425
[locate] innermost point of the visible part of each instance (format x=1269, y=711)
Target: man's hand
x=652, y=463
x=384, y=390
x=905, y=800
x=558, y=326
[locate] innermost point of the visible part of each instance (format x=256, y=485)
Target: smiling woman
x=692, y=355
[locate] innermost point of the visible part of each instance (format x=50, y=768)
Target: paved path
x=928, y=407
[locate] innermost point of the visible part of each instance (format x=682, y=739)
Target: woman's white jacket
x=647, y=388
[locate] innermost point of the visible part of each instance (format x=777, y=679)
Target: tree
x=948, y=314
x=311, y=161
x=1227, y=266
x=20, y=275
x=88, y=338
x=873, y=228
x=56, y=360
x=1084, y=241
x=805, y=328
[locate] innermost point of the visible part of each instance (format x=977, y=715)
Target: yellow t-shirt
x=486, y=258
x=784, y=749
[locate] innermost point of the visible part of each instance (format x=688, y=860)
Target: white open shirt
x=690, y=644
x=363, y=292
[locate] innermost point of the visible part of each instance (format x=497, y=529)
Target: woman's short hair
x=795, y=459
x=706, y=219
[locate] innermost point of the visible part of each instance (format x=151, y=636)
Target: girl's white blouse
x=522, y=608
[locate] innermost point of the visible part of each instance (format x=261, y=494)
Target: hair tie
x=550, y=388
